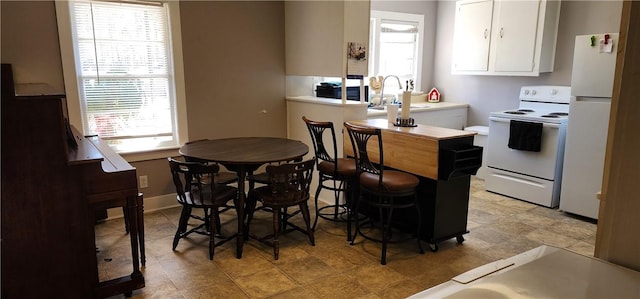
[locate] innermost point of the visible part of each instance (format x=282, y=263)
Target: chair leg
x=304, y=207
x=218, y=221
x=336, y=195
x=315, y=222
x=351, y=198
x=206, y=218
x=182, y=225
x=212, y=234
x=251, y=207
x=386, y=234
x=357, y=229
x=276, y=232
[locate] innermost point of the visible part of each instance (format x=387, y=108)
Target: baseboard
x=167, y=201
x=151, y=204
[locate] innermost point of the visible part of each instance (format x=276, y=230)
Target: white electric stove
x=533, y=175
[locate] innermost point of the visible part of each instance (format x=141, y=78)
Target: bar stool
x=335, y=174
x=381, y=188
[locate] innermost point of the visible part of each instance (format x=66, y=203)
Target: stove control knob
x=554, y=92
x=526, y=91
x=533, y=92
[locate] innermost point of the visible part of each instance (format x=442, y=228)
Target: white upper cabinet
x=317, y=34
x=508, y=38
x=472, y=35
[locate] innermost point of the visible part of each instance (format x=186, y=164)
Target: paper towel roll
x=406, y=105
x=392, y=112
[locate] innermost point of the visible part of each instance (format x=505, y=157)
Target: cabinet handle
x=486, y=32
x=501, y=32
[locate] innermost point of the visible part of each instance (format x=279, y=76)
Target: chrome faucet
x=382, y=90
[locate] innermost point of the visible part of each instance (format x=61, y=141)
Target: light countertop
x=415, y=107
x=419, y=107
x=324, y=101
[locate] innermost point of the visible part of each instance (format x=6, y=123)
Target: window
x=119, y=56
x=396, y=45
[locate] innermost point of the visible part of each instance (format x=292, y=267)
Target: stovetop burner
x=515, y=112
x=526, y=110
x=559, y=113
x=550, y=116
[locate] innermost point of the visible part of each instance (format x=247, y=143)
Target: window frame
x=374, y=40
x=179, y=108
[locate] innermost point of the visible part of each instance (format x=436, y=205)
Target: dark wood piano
x=53, y=182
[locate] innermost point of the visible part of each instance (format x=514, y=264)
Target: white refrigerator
x=594, y=62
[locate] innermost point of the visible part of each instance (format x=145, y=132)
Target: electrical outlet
x=144, y=183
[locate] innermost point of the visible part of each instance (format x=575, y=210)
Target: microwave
x=334, y=91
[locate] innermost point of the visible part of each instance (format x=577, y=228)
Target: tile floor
x=499, y=227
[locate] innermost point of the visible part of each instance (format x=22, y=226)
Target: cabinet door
x=472, y=34
x=515, y=35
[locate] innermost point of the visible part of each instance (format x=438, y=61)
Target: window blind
x=123, y=68
x=398, y=26
x=398, y=48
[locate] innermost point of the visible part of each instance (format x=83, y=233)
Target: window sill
x=155, y=154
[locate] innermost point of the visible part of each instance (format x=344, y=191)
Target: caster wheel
x=460, y=239
x=433, y=247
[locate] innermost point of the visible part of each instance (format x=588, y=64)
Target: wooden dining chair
x=196, y=189
x=222, y=177
x=380, y=188
x=263, y=178
x=288, y=186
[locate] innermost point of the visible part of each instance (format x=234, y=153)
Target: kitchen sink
x=384, y=108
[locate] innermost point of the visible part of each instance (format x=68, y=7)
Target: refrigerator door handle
x=592, y=99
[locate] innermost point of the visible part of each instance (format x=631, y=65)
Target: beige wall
x=233, y=63
x=234, y=68
x=29, y=39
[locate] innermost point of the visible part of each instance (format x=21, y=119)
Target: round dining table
x=244, y=155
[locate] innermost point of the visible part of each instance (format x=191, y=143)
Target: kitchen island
x=443, y=159
x=442, y=114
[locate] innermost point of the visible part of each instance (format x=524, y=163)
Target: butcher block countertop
x=411, y=149
x=424, y=131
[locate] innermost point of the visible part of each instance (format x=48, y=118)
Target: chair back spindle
x=317, y=130
x=360, y=137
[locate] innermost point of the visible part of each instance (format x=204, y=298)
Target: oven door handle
x=506, y=120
